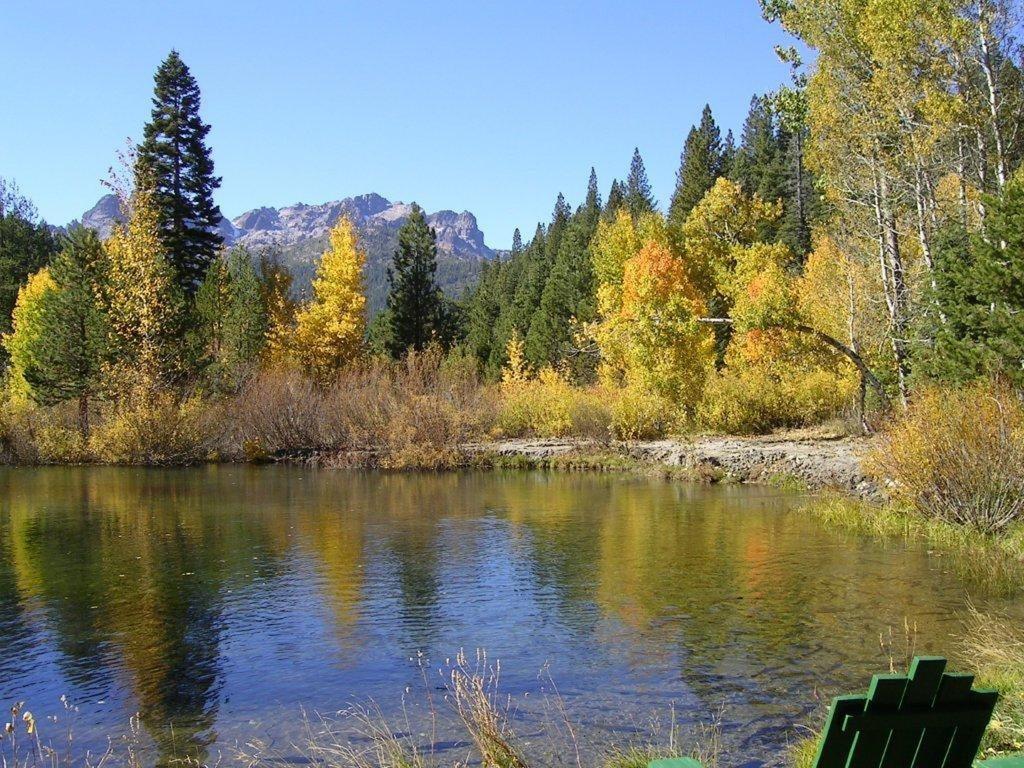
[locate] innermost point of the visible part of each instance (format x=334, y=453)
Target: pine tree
x=728, y=153
x=484, y=309
x=507, y=283
x=72, y=341
x=232, y=319
x=536, y=279
x=592, y=202
x=206, y=335
x=245, y=326
x=760, y=164
x=952, y=346
x=701, y=164
x=526, y=290
x=414, y=300
x=174, y=160
x=802, y=203
x=330, y=330
x=568, y=296
x=978, y=319
x=616, y=199
x=517, y=243
x=639, y=198
x=26, y=246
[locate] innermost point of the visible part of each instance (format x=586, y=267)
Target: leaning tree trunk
x=867, y=375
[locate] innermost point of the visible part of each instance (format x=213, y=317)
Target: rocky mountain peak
x=298, y=233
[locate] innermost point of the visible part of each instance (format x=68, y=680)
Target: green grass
x=788, y=482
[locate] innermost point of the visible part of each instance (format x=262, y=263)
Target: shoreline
x=813, y=463
x=802, y=461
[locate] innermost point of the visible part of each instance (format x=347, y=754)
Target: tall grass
x=996, y=647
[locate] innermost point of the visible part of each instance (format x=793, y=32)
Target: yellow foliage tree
x=144, y=304
x=724, y=219
x=761, y=291
x=614, y=243
x=22, y=342
x=666, y=349
x=330, y=330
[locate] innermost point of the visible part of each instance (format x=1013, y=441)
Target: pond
x=221, y=603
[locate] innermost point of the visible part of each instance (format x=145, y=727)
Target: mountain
x=298, y=235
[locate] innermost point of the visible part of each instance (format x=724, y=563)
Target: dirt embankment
x=816, y=462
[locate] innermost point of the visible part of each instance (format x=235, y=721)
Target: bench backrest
x=926, y=719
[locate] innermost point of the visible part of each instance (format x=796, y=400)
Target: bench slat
x=884, y=697
x=835, y=743
x=953, y=691
x=968, y=738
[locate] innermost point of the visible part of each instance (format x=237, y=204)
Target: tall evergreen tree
x=174, y=161
x=206, y=333
x=639, y=198
x=760, y=164
x=593, y=200
x=415, y=302
x=568, y=295
x=483, y=311
x=978, y=318
x=26, y=246
x=232, y=328
x=802, y=204
x=538, y=274
x=728, y=153
x=245, y=327
x=616, y=199
x=68, y=360
x=517, y=243
x=701, y=164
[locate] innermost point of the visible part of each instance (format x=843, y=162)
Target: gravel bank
x=819, y=463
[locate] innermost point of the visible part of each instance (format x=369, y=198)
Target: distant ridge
x=298, y=233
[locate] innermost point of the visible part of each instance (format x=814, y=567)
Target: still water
x=218, y=603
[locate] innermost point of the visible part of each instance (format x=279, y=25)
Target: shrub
x=157, y=430
x=760, y=399
x=549, y=406
x=283, y=411
x=58, y=444
x=957, y=455
x=640, y=414
x=413, y=413
x=590, y=415
x=535, y=406
x=422, y=410
x=19, y=426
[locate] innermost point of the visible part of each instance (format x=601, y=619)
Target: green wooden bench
x=927, y=719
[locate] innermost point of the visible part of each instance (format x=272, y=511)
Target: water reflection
x=209, y=600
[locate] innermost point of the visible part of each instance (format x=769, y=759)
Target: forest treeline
x=862, y=238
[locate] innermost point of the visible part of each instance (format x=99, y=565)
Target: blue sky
x=493, y=107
